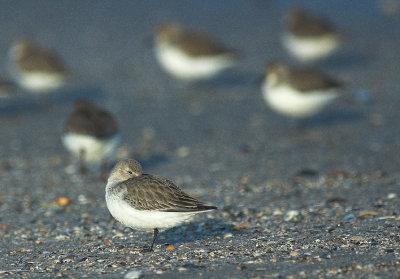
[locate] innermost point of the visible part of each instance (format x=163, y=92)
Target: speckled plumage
x=149, y=192
x=34, y=58
x=191, y=42
x=308, y=37
x=148, y=202
x=303, y=24
x=302, y=79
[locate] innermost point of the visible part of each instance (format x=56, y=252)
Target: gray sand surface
x=317, y=201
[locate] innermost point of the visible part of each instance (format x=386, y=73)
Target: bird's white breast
x=286, y=100
x=40, y=82
x=142, y=219
x=95, y=149
x=183, y=66
x=309, y=49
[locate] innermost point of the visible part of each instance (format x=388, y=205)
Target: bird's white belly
x=40, y=82
x=177, y=63
x=310, y=49
x=143, y=220
x=95, y=149
x=284, y=99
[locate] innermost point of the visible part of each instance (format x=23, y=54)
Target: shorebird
x=189, y=55
x=148, y=202
x=35, y=68
x=308, y=37
x=298, y=93
x=90, y=134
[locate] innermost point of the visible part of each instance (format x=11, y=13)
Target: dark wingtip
x=205, y=207
x=196, y=209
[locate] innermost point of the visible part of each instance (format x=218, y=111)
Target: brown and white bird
x=91, y=134
x=190, y=55
x=148, y=202
x=309, y=38
x=35, y=68
x=298, y=93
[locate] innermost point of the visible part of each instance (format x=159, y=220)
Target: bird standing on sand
x=91, y=134
x=189, y=55
x=297, y=93
x=36, y=69
x=308, y=37
x=148, y=202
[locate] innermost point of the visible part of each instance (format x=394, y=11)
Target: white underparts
x=95, y=150
x=288, y=101
x=183, y=66
x=142, y=219
x=309, y=49
x=41, y=82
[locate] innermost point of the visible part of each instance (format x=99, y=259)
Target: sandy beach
x=314, y=201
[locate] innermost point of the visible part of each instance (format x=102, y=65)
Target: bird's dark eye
x=130, y=172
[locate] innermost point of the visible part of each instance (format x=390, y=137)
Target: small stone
x=241, y=226
x=325, y=256
x=82, y=199
x=368, y=213
x=356, y=239
x=133, y=274
x=348, y=217
x=294, y=254
x=228, y=235
x=170, y=247
x=292, y=215
x=277, y=212
x=63, y=201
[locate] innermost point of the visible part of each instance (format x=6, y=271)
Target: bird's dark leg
x=154, y=239
x=104, y=170
x=82, y=164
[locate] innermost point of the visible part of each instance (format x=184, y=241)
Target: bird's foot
x=143, y=249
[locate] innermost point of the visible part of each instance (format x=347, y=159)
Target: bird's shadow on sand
x=346, y=59
x=70, y=95
x=199, y=230
x=26, y=103
x=19, y=105
x=226, y=79
x=333, y=117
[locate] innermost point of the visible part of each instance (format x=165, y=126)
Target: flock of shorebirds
x=91, y=134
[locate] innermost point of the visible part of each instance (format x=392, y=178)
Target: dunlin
x=308, y=37
x=189, y=55
x=148, y=202
x=91, y=133
x=35, y=68
x=298, y=93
